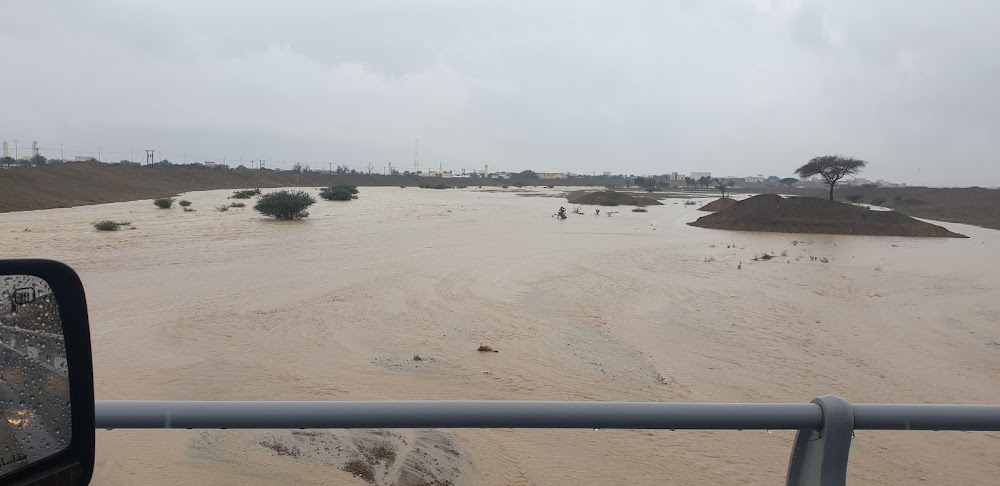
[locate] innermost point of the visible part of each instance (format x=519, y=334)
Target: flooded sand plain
x=636, y=306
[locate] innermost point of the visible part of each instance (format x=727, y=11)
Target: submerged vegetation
x=164, y=202
x=285, y=204
x=339, y=193
x=245, y=194
x=110, y=225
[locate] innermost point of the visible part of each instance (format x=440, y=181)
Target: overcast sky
x=735, y=87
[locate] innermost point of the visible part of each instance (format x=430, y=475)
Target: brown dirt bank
x=610, y=198
x=82, y=183
x=718, y=205
x=967, y=205
x=772, y=213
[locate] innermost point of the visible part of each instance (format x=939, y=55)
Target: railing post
x=819, y=457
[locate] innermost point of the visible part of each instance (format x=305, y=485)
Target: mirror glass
x=34, y=377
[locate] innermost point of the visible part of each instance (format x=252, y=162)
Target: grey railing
x=819, y=453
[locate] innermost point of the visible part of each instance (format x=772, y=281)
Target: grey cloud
x=732, y=86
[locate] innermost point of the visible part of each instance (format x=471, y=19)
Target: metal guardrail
x=819, y=454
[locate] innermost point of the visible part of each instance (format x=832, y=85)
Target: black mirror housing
x=74, y=464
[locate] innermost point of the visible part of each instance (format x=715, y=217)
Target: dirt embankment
x=610, y=198
x=718, y=204
x=772, y=213
x=967, y=205
x=82, y=183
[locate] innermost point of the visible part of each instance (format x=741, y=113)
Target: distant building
x=674, y=176
x=606, y=174
x=84, y=158
x=553, y=175
x=209, y=163
x=699, y=175
x=757, y=179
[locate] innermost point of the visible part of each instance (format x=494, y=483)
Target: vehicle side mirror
x=46, y=375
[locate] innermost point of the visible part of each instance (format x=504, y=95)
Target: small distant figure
x=739, y=266
x=597, y=212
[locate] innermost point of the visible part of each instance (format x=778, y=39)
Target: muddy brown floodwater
x=637, y=306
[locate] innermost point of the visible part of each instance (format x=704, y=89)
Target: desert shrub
x=486, y=349
x=184, y=203
x=237, y=205
x=578, y=210
x=401, y=186
x=561, y=214
x=878, y=201
x=504, y=187
x=285, y=204
x=550, y=187
x=109, y=225
x=689, y=203
x=188, y=210
x=222, y=208
x=639, y=210
x=164, y=202
x=339, y=193
x=245, y=194
x=855, y=197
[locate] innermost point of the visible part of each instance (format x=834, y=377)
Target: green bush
x=164, y=202
x=109, y=225
x=184, y=203
x=878, y=201
x=245, y=194
x=237, y=205
x=855, y=197
x=339, y=193
x=285, y=204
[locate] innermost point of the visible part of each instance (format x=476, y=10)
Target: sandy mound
x=769, y=212
x=399, y=457
x=718, y=205
x=611, y=198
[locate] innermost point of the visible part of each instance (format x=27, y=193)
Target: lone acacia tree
x=831, y=168
x=789, y=181
x=722, y=184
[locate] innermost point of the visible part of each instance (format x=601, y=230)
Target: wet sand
x=210, y=305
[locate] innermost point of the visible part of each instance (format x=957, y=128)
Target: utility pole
x=99, y=159
x=390, y=168
x=150, y=156
x=416, y=155
x=61, y=156
x=15, y=149
x=331, y=166
x=131, y=154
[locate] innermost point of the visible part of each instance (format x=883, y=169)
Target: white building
x=699, y=175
